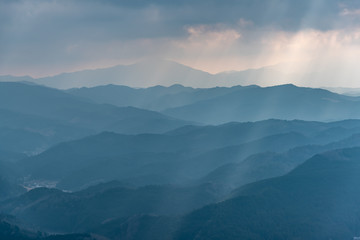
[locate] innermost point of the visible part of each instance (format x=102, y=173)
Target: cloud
x=45, y=37
x=350, y=12
x=209, y=38
x=300, y=53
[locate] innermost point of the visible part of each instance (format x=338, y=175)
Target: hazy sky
x=46, y=37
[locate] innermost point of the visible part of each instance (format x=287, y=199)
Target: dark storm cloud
x=46, y=31
x=286, y=14
x=97, y=19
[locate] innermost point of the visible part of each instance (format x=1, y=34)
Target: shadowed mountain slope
x=178, y=156
x=281, y=102
x=270, y=164
x=35, y=117
x=318, y=200
x=54, y=210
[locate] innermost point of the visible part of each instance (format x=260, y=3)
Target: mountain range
x=34, y=117
x=179, y=156
x=56, y=211
x=153, y=72
x=225, y=104
x=150, y=73
x=316, y=200
x=173, y=162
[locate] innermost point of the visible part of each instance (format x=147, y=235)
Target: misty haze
x=179, y=120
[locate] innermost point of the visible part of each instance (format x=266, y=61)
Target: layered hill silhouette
x=38, y=117
x=317, y=200
x=149, y=73
x=282, y=102
x=152, y=72
x=56, y=211
x=142, y=74
x=220, y=105
x=209, y=106
x=179, y=156
x=156, y=98
x=175, y=162
x=57, y=105
x=271, y=164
